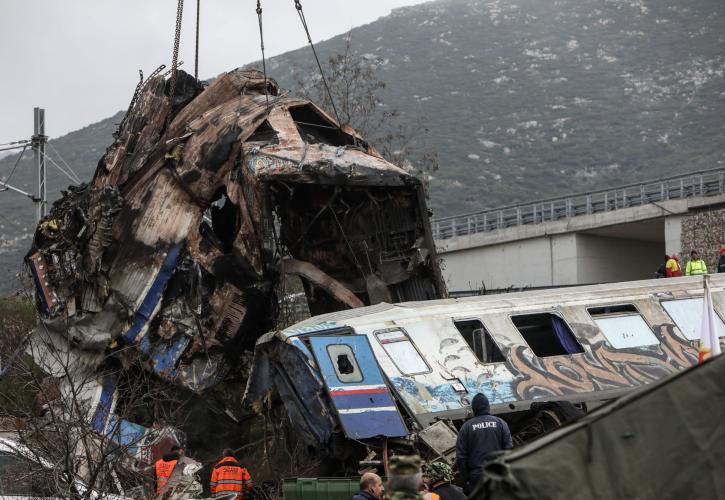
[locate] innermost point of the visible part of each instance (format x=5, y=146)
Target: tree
x=70, y=416
x=355, y=90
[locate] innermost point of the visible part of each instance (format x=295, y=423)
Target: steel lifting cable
x=300, y=13
x=264, y=61
x=196, y=54
x=175, y=57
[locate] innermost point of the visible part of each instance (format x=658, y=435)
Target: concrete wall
x=673, y=234
x=557, y=260
x=605, y=260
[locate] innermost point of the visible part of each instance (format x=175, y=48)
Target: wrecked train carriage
x=201, y=206
x=393, y=370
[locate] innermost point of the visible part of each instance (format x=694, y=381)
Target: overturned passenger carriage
x=395, y=370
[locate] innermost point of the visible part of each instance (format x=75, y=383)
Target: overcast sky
x=79, y=59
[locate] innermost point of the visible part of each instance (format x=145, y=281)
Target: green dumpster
x=320, y=488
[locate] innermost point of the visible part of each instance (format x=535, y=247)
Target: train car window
x=480, y=341
x=687, y=315
x=623, y=326
x=547, y=334
x=344, y=363
x=402, y=351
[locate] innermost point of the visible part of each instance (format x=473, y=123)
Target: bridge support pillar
x=673, y=234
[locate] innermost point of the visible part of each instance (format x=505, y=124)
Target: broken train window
x=220, y=223
x=547, y=334
x=264, y=135
x=314, y=128
x=480, y=341
x=402, y=351
x=623, y=326
x=344, y=363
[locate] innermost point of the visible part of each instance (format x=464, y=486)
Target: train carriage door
x=356, y=386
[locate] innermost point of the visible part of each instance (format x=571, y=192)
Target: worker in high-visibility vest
x=673, y=269
x=695, y=265
x=229, y=478
x=164, y=467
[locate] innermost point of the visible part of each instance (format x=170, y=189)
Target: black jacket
x=721, y=265
x=363, y=495
x=449, y=492
x=478, y=440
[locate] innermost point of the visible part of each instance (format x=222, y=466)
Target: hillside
x=524, y=99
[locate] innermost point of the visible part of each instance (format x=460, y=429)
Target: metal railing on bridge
x=705, y=183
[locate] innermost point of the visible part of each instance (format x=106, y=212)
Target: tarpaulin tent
x=664, y=441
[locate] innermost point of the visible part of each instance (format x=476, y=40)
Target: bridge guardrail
x=705, y=183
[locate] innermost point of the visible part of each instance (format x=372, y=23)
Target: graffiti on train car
x=601, y=367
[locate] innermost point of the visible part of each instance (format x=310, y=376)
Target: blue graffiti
x=324, y=325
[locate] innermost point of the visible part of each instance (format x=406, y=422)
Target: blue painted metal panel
x=100, y=416
x=365, y=408
x=165, y=356
x=126, y=434
x=362, y=399
x=153, y=296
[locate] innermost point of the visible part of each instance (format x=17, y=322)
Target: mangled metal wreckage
x=174, y=255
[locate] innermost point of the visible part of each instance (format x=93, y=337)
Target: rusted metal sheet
x=173, y=258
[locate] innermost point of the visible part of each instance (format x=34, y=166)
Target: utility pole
x=39, y=139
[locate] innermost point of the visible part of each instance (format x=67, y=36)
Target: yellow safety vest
x=695, y=267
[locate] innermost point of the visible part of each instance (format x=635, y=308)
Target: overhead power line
x=63, y=161
x=67, y=174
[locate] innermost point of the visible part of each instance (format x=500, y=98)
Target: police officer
x=164, y=467
x=478, y=440
x=439, y=476
x=229, y=479
x=404, y=478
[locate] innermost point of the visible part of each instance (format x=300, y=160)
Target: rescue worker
x=673, y=269
x=229, y=478
x=478, y=441
x=721, y=262
x=404, y=478
x=371, y=487
x=695, y=265
x=439, y=476
x=660, y=272
x=165, y=466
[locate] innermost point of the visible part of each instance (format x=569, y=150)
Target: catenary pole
x=39, y=140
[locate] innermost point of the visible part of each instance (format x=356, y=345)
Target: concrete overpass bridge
x=616, y=234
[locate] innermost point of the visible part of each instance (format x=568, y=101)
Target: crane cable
x=175, y=57
x=300, y=13
x=264, y=62
x=196, y=54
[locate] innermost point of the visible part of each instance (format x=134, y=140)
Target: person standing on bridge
x=695, y=265
x=721, y=263
x=672, y=267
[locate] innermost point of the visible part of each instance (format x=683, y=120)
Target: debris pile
x=172, y=257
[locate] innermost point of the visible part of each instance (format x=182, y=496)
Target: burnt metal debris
x=173, y=256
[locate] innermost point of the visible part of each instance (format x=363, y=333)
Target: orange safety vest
x=163, y=473
x=230, y=478
x=429, y=495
